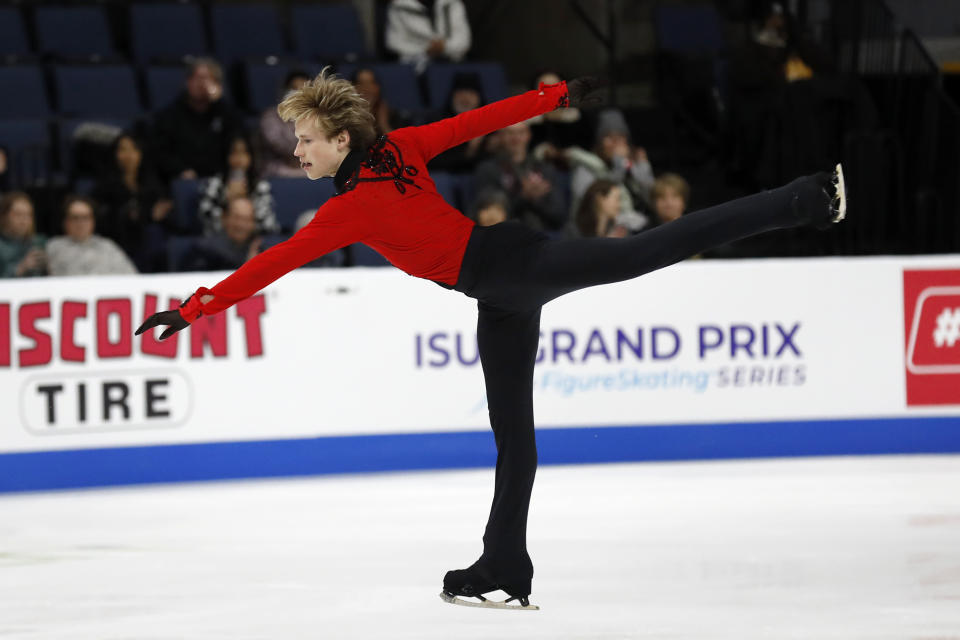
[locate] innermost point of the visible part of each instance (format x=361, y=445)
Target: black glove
x=583, y=91
x=171, y=318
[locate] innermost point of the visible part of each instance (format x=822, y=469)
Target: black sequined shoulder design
x=385, y=159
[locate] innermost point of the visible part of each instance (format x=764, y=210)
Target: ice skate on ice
x=473, y=582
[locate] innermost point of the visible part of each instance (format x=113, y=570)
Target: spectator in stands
x=22, y=251
x=337, y=258
x=490, y=207
x=422, y=31
x=80, y=251
x=532, y=186
x=230, y=247
x=466, y=93
x=135, y=207
x=614, y=158
x=560, y=128
x=671, y=194
x=596, y=216
x=241, y=180
x=193, y=133
x=277, y=139
x=367, y=85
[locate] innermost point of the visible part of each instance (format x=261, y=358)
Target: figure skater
x=386, y=199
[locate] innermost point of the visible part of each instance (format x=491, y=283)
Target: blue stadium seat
x=364, y=256
x=272, y=239
x=102, y=91
x=398, y=82
x=186, y=198
x=264, y=82
x=693, y=29
x=246, y=31
x=327, y=32
x=84, y=186
x=24, y=93
x=293, y=196
x=73, y=32
x=177, y=249
x=13, y=33
x=28, y=148
x=164, y=83
x=151, y=26
x=440, y=78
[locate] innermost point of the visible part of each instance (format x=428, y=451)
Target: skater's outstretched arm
x=435, y=138
x=333, y=227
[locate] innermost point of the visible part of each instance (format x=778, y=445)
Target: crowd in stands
x=204, y=182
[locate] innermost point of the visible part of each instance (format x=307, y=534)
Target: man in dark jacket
x=192, y=133
x=231, y=247
x=533, y=187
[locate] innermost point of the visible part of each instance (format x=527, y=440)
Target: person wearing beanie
x=613, y=158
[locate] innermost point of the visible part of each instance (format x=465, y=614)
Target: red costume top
x=396, y=211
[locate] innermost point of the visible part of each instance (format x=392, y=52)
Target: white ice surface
x=843, y=548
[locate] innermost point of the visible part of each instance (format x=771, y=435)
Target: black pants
x=512, y=271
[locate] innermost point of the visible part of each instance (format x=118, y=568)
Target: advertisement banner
x=358, y=352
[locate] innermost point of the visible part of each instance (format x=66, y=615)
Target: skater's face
x=319, y=155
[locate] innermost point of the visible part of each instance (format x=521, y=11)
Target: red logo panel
x=931, y=308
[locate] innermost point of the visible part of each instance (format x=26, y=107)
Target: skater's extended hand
x=172, y=318
x=583, y=91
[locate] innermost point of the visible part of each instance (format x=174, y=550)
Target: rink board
x=357, y=370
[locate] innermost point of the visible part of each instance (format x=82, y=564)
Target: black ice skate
x=834, y=191
x=474, y=582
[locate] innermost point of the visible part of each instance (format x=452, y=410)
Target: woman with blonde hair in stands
x=22, y=252
x=387, y=200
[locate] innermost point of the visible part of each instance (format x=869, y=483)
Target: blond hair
x=333, y=105
x=671, y=181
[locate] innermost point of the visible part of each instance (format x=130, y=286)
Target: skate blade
x=841, y=194
x=486, y=604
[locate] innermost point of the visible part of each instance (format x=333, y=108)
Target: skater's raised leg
x=568, y=265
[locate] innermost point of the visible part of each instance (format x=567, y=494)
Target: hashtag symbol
x=947, y=332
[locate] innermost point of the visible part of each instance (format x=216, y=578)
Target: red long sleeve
x=329, y=230
x=391, y=206
x=435, y=138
